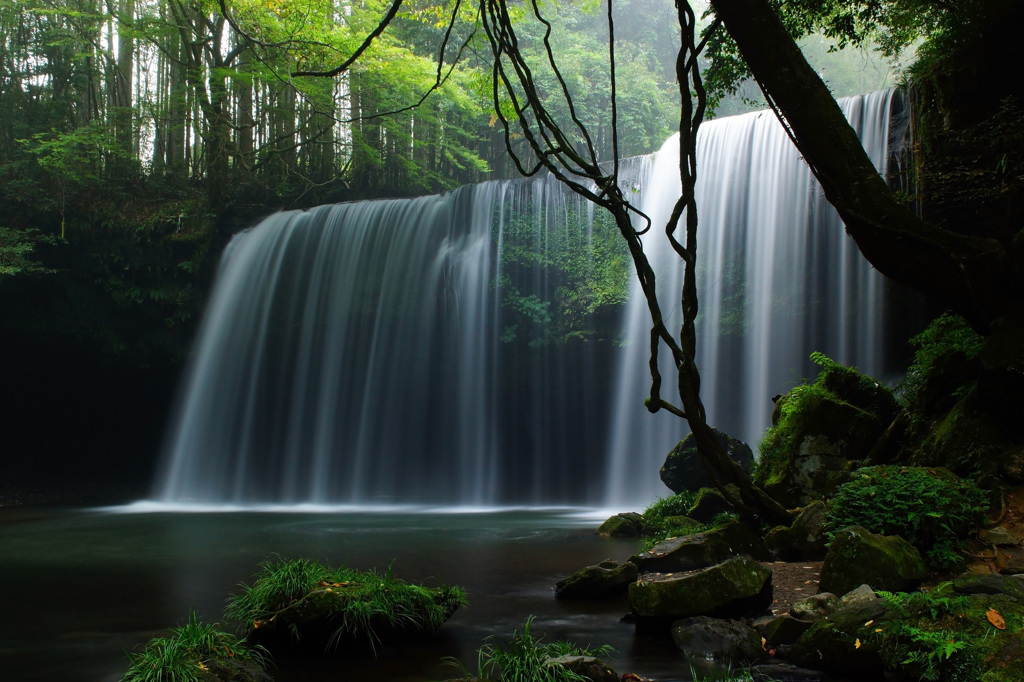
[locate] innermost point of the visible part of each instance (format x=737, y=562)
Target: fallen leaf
x=868, y=624
x=856, y=645
x=996, y=620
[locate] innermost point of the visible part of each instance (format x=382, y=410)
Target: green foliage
x=678, y=504
x=948, y=339
x=16, y=252
x=888, y=27
x=925, y=636
x=661, y=518
x=359, y=603
x=185, y=655
x=527, y=658
x=931, y=509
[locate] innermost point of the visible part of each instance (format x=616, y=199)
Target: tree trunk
x=123, y=120
x=976, y=276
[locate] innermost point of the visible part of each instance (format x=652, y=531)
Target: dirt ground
x=792, y=581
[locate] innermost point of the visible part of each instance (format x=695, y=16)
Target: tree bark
x=978, y=277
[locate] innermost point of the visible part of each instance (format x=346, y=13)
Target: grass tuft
x=290, y=595
x=527, y=658
x=187, y=653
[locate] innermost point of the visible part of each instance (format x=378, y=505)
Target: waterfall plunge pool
x=82, y=587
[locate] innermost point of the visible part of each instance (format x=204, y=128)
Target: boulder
x=815, y=607
x=819, y=430
x=710, y=503
x=605, y=579
x=992, y=583
x=683, y=469
x=733, y=588
x=843, y=642
x=726, y=643
x=624, y=525
x=857, y=556
x=783, y=672
x=701, y=549
x=593, y=669
x=803, y=540
x=998, y=536
x=784, y=629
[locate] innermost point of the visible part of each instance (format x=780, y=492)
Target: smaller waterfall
x=777, y=279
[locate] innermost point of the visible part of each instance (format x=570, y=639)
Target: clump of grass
x=528, y=658
x=290, y=595
x=679, y=504
x=188, y=653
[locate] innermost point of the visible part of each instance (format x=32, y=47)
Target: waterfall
x=777, y=279
x=418, y=350
x=362, y=353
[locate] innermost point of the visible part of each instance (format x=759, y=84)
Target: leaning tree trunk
x=978, y=277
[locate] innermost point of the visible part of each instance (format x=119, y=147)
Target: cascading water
x=359, y=353
x=777, y=279
x=365, y=353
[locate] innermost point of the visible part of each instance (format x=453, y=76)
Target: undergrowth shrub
x=947, y=341
x=930, y=508
x=189, y=653
x=925, y=636
x=527, y=658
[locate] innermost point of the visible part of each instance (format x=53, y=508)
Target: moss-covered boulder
x=304, y=601
x=734, y=588
x=606, y=579
x=710, y=503
x=804, y=539
x=819, y=429
x=724, y=643
x=701, y=550
x=624, y=525
x=845, y=641
x=683, y=469
x=990, y=583
x=857, y=556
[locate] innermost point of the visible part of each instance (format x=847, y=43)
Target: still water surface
x=79, y=588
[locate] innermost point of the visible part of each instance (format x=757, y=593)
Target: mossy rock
x=857, y=556
x=301, y=602
x=701, y=550
x=804, y=539
x=710, y=503
x=624, y=525
x=845, y=641
x=820, y=430
x=593, y=582
x=734, y=588
x=683, y=469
